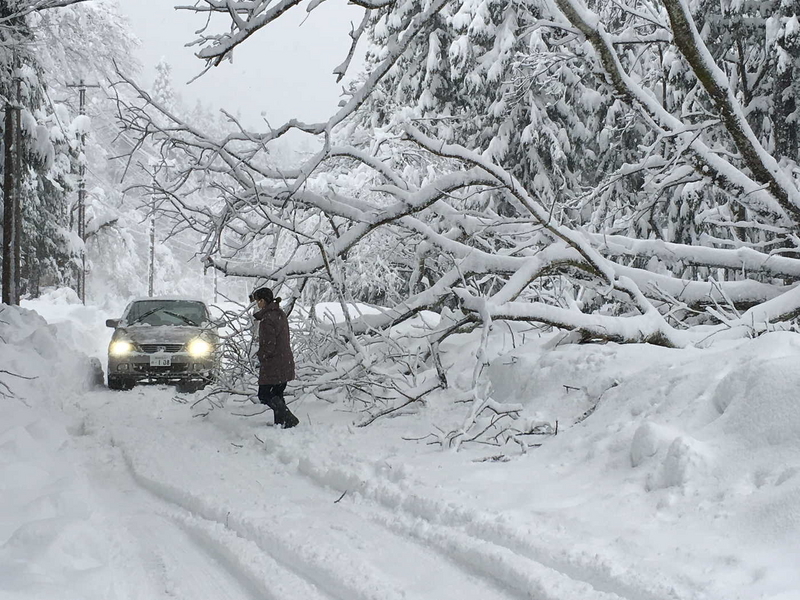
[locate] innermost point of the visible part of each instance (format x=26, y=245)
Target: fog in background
x=283, y=72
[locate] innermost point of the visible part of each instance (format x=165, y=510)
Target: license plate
x=160, y=361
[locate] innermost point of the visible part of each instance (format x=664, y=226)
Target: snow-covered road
x=678, y=487
x=215, y=516
x=203, y=508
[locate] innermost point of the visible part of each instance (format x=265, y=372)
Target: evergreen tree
x=62, y=46
x=163, y=91
x=44, y=249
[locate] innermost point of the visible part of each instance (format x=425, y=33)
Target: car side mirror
x=114, y=323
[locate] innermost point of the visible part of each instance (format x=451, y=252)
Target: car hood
x=166, y=334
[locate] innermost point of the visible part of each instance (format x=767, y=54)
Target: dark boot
x=279, y=411
x=289, y=420
x=277, y=414
x=267, y=397
x=272, y=396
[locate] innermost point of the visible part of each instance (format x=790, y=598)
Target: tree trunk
x=10, y=237
x=784, y=119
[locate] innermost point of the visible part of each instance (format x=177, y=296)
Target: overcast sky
x=283, y=71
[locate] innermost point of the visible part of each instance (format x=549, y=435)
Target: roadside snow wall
x=40, y=363
x=716, y=428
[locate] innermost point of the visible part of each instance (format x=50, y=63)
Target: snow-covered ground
x=683, y=482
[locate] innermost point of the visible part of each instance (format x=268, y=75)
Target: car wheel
x=186, y=387
x=119, y=383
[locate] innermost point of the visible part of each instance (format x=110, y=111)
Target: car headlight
x=120, y=348
x=198, y=348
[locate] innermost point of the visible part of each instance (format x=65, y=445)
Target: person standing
x=274, y=355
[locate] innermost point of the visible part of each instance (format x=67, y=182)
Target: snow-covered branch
x=745, y=260
x=23, y=9
x=634, y=329
x=764, y=167
x=773, y=202
x=246, y=21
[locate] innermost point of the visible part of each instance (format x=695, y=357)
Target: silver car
x=162, y=340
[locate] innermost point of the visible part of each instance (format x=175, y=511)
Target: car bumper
x=182, y=367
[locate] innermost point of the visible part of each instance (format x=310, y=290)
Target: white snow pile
x=48, y=545
x=690, y=453
x=45, y=362
x=674, y=475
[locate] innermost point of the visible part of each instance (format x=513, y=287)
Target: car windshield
x=166, y=312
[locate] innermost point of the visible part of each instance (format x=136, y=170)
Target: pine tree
x=163, y=91
x=63, y=46
x=20, y=83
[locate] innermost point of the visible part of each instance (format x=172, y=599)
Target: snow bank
x=684, y=441
x=42, y=360
x=51, y=543
x=680, y=416
x=81, y=327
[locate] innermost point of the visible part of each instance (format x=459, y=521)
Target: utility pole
x=82, y=190
x=152, y=266
x=216, y=287
x=12, y=193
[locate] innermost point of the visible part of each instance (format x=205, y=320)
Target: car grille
x=176, y=368
x=152, y=348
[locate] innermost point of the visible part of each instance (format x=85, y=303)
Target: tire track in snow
x=478, y=544
x=291, y=557
x=170, y=550
x=186, y=570
x=153, y=555
x=267, y=577
x=495, y=562
x=481, y=541
x=513, y=570
x=518, y=574
x=333, y=572
x=504, y=566
x=450, y=533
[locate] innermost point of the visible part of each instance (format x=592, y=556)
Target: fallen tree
x=674, y=225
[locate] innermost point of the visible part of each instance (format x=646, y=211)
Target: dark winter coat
x=274, y=350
